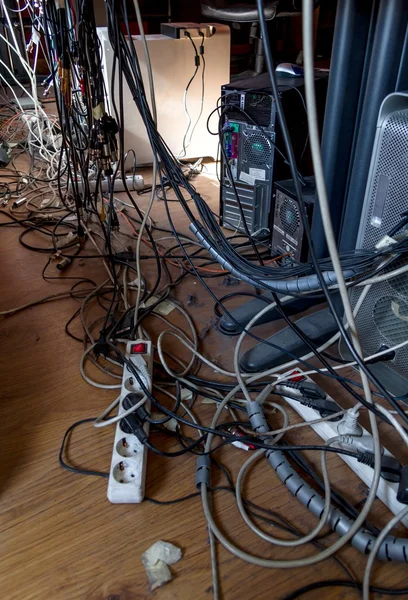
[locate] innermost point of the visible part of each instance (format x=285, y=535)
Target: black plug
x=391, y=468
x=133, y=423
x=308, y=389
x=324, y=407
x=402, y=494
x=101, y=347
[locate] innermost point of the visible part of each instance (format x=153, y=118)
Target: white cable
x=278, y=541
x=260, y=561
x=195, y=352
x=182, y=404
x=101, y=386
x=58, y=296
x=401, y=430
x=305, y=423
x=373, y=553
x=385, y=276
x=309, y=79
x=100, y=422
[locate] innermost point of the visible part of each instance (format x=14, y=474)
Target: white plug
x=349, y=424
x=363, y=443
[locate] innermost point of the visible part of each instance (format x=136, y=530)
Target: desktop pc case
x=382, y=320
x=288, y=235
x=254, y=148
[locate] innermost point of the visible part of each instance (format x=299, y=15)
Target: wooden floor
x=60, y=538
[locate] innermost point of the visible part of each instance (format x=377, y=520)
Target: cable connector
x=308, y=389
x=312, y=396
x=391, y=469
x=63, y=263
x=101, y=347
x=349, y=424
x=133, y=423
x=363, y=443
x=402, y=494
x=324, y=407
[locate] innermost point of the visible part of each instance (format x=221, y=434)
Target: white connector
x=362, y=443
x=349, y=424
x=127, y=475
x=387, y=490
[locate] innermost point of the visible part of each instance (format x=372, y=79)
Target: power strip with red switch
x=128, y=467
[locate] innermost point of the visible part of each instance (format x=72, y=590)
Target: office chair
x=246, y=12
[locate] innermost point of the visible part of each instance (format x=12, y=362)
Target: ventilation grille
x=393, y=165
x=231, y=215
x=289, y=216
x=391, y=327
x=257, y=149
x=381, y=318
x=259, y=108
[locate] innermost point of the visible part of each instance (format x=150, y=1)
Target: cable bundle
x=63, y=220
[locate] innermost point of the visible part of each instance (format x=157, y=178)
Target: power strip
x=127, y=475
x=135, y=182
x=387, y=490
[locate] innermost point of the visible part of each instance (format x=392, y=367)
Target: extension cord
x=135, y=182
x=387, y=490
x=127, y=474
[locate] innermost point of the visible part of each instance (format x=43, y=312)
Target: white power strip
x=387, y=491
x=128, y=467
x=133, y=182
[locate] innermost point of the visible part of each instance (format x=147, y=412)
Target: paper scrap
x=156, y=560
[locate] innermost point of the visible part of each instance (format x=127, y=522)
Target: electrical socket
x=127, y=475
x=387, y=490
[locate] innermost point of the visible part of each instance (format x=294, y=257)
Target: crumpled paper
x=156, y=560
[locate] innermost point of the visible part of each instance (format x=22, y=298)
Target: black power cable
x=291, y=157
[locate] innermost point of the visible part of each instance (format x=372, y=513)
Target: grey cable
x=380, y=540
x=392, y=548
x=278, y=541
x=307, y=29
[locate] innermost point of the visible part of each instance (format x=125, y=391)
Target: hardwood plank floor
x=60, y=537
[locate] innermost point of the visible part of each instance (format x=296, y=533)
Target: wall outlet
x=127, y=475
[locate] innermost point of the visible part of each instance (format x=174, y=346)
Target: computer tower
x=288, y=234
x=382, y=320
x=255, y=154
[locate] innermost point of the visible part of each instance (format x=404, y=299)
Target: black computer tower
x=288, y=234
x=254, y=154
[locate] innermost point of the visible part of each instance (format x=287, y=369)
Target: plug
x=133, y=423
x=402, y=493
x=391, y=470
x=349, y=424
x=308, y=389
x=101, y=347
x=363, y=443
x=63, y=263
